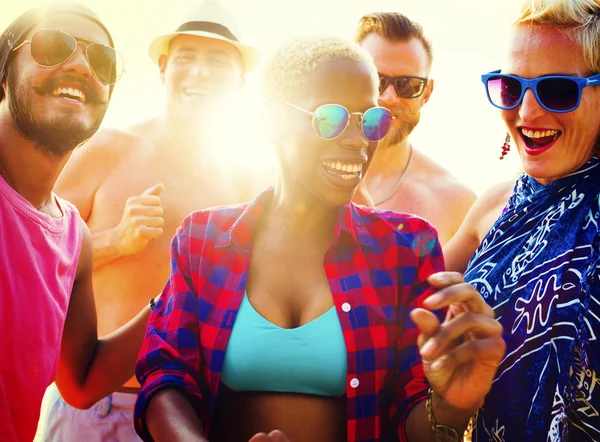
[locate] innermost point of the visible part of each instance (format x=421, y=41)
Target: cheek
x=173, y=77
x=510, y=118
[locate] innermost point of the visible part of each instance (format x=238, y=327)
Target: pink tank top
x=38, y=262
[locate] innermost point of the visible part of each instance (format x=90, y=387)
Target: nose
x=388, y=95
x=200, y=69
x=530, y=109
x=78, y=62
x=353, y=137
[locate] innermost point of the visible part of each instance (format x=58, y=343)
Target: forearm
x=171, y=417
x=418, y=425
x=106, y=247
x=109, y=365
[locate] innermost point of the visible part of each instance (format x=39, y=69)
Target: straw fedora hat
x=210, y=20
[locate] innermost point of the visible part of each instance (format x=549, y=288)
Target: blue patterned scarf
x=538, y=268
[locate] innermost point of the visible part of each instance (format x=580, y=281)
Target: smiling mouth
x=198, y=92
x=346, y=171
x=69, y=93
x=539, y=139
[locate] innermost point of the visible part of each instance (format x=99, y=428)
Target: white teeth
x=195, y=91
x=352, y=169
x=539, y=134
x=70, y=93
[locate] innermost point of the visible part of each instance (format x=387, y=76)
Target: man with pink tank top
x=57, y=70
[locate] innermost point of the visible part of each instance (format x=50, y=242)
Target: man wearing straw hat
x=134, y=187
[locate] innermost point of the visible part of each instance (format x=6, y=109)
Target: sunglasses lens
x=329, y=121
x=560, y=94
x=504, y=92
x=376, y=123
x=106, y=63
x=383, y=83
x=50, y=47
x=409, y=87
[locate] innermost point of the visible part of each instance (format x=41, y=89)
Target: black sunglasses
x=51, y=47
x=405, y=86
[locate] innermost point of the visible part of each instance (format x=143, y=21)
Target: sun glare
x=458, y=128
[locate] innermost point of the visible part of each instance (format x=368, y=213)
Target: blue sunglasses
x=331, y=120
x=555, y=93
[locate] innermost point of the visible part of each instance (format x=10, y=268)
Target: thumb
x=154, y=190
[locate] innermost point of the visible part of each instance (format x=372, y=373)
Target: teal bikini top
x=261, y=356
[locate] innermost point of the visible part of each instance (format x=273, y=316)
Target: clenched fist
x=142, y=221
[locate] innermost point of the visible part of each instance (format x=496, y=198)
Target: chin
x=544, y=174
x=338, y=199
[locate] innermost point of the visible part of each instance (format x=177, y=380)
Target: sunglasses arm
x=297, y=107
x=22, y=44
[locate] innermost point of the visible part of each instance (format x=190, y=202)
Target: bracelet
x=444, y=433
x=151, y=304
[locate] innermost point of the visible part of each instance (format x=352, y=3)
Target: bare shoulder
x=449, y=187
x=90, y=165
x=110, y=143
x=105, y=149
x=488, y=207
x=496, y=196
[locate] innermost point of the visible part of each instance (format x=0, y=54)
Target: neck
x=28, y=168
x=300, y=213
x=390, y=159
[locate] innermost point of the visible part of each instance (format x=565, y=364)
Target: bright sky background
x=459, y=128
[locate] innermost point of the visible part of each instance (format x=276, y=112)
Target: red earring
x=505, y=146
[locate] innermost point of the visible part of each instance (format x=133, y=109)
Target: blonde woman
x=538, y=266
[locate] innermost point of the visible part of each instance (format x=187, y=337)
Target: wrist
x=448, y=415
x=117, y=242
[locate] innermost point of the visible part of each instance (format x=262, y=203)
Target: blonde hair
x=580, y=19
x=288, y=68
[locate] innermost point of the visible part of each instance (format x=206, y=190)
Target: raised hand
x=142, y=221
x=461, y=355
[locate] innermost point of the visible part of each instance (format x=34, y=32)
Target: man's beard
x=409, y=120
x=59, y=135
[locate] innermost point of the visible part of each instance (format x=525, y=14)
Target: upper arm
x=459, y=250
x=80, y=335
x=85, y=171
x=462, y=199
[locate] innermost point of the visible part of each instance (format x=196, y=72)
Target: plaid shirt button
x=354, y=383
x=346, y=307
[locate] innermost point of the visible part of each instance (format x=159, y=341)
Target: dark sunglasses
x=555, y=93
x=50, y=48
x=331, y=120
x=405, y=86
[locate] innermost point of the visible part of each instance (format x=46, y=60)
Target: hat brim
x=160, y=46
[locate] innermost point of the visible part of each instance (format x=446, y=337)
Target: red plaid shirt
x=376, y=267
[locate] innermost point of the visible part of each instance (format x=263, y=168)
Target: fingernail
x=428, y=348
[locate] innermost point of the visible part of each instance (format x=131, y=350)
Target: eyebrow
x=211, y=51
